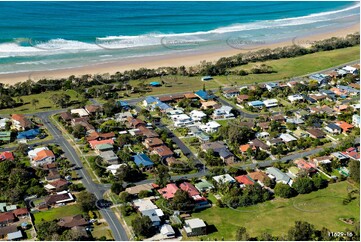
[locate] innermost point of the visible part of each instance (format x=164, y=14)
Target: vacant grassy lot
x=56, y=213
x=44, y=104
x=322, y=209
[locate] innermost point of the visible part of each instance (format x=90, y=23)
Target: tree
x=318, y=182
x=354, y=167
x=79, y=131
x=182, y=201
x=301, y=231
x=34, y=102
x=266, y=237
x=143, y=194
x=283, y=190
x=87, y=201
x=46, y=229
x=125, y=197
x=117, y=187
x=241, y=234
x=303, y=185
x=163, y=176
x=142, y=226
x=126, y=210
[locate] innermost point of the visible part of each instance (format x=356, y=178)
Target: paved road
x=98, y=190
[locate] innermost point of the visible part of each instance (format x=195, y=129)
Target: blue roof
x=204, y=95
x=151, y=99
x=162, y=106
x=155, y=84
x=29, y=134
x=142, y=159
x=256, y=103
x=123, y=104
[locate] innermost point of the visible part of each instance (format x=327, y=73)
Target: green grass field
x=56, y=213
x=322, y=209
x=44, y=104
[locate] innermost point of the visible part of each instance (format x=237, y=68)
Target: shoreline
x=174, y=60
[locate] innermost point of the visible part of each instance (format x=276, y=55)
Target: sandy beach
x=189, y=59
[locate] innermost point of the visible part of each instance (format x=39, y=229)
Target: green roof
x=203, y=185
x=5, y=135
x=2, y=205
x=294, y=170
x=104, y=146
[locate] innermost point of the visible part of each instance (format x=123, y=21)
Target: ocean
x=39, y=36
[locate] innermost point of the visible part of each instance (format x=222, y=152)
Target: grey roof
x=280, y=176
x=333, y=126
x=224, y=153
x=15, y=235
x=152, y=214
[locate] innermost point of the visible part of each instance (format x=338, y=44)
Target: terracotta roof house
x=244, y=148
x=191, y=96
x=166, y=99
x=21, y=212
x=318, y=97
x=210, y=104
x=72, y=221
x=6, y=218
x=43, y=157
x=346, y=127
x=191, y=190
x=135, y=122
x=163, y=151
x=152, y=142
x=316, y=133
x=168, y=191
x=147, y=132
x=93, y=109
x=94, y=143
x=304, y=165
x=6, y=155
x=244, y=180
x=66, y=116
x=258, y=176
x=264, y=125
x=20, y=122
x=242, y=98
x=100, y=136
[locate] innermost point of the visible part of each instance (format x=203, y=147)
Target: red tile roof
x=163, y=151
x=244, y=179
x=20, y=211
x=344, y=126
x=43, y=154
x=96, y=135
x=188, y=187
x=6, y=217
x=302, y=164
x=169, y=191
x=6, y=155
x=93, y=143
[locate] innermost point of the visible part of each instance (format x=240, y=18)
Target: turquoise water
x=55, y=35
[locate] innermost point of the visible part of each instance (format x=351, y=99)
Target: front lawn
x=322, y=208
x=56, y=213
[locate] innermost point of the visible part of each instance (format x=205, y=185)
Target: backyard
x=322, y=208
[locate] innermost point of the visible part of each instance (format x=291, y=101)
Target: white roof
x=287, y=137
x=262, y=134
x=113, y=168
x=349, y=68
x=295, y=97
x=226, y=109
x=180, y=117
x=213, y=124
x=198, y=113
x=195, y=223
x=223, y=178
x=270, y=101
x=145, y=204
x=81, y=111
x=166, y=229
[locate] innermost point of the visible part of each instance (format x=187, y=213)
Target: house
x=322, y=160
x=6, y=155
x=138, y=188
x=191, y=96
x=278, y=118
x=53, y=175
x=262, y=135
x=221, y=149
x=210, y=104
x=346, y=127
x=198, y=133
x=93, y=109
x=113, y=168
x=66, y=116
x=223, y=112
x=20, y=122
x=3, y=123
x=256, y=104
x=5, y=136
x=80, y=111
x=166, y=99
x=350, y=69
x=72, y=221
x=168, y=191
x=150, y=143
x=333, y=128
x=269, y=103
x=275, y=142
x=6, y=218
x=18, y=235
x=340, y=108
x=197, y=115
x=4, y=231
x=295, y=120
x=135, y=122
x=100, y=136
x=167, y=231
x=210, y=127
x=147, y=132
x=259, y=144
x=21, y=212
x=330, y=94
x=230, y=93
x=320, y=78
x=191, y=190
x=149, y=101
x=41, y=156
x=181, y=120
x=204, y=95
x=271, y=86
x=204, y=186
x=28, y=134
x=279, y=176
x=316, y=133
x=195, y=227
x=94, y=143
x=264, y=125
x=58, y=185
x=123, y=117
x=309, y=99
x=295, y=98
x=103, y=147
x=224, y=178
x=109, y=156
x=242, y=98
x=318, y=97
x=356, y=120
x=306, y=166
x=293, y=172
x=244, y=148
x=147, y=208
x=244, y=180
x=258, y=176
x=143, y=161
x=60, y=197
x=163, y=151
x=287, y=138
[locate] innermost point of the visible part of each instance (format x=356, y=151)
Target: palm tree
x=34, y=102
